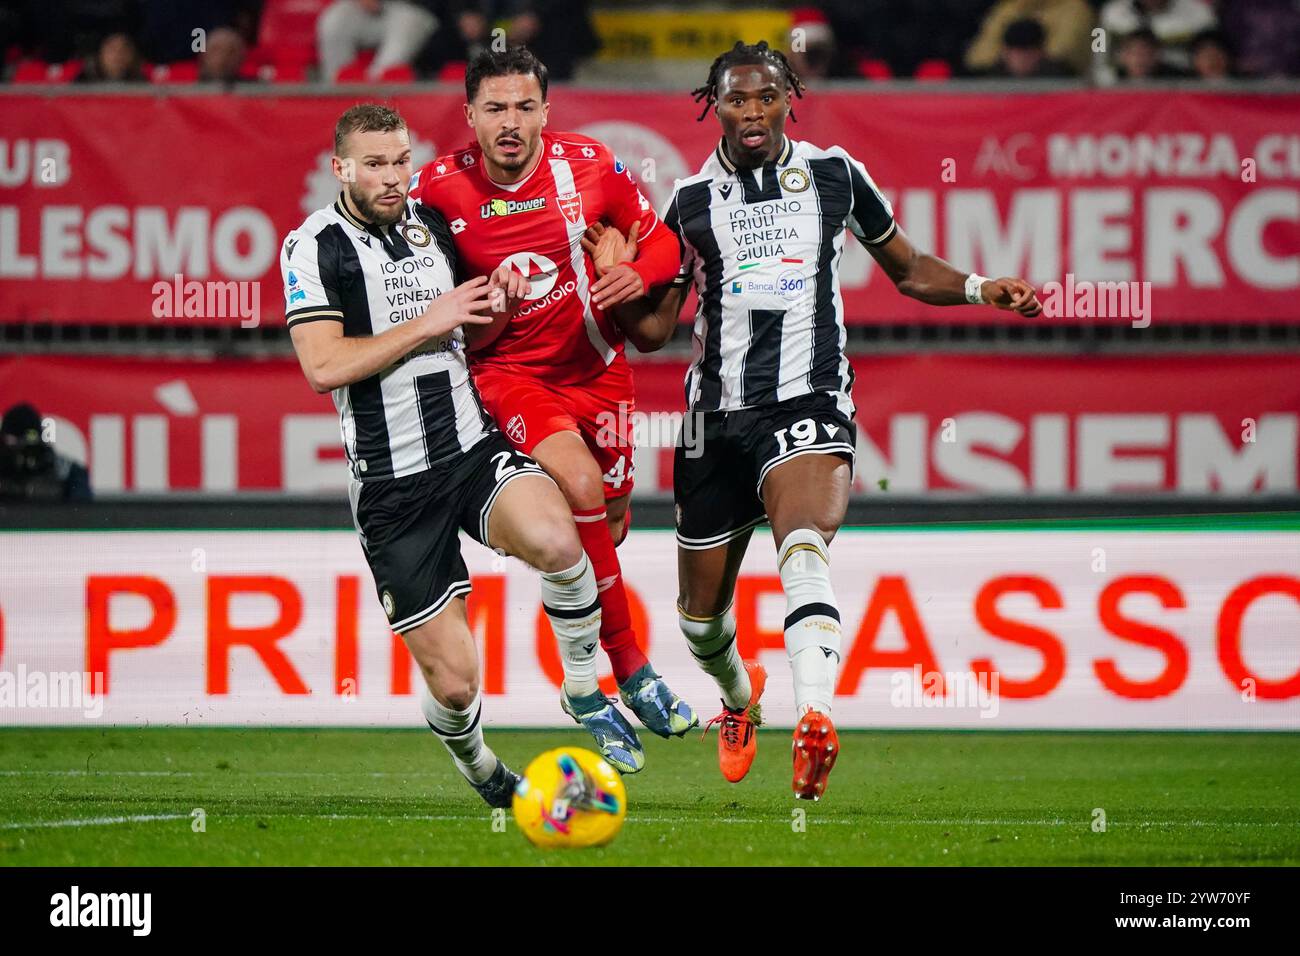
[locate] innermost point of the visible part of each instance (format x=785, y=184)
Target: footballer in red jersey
x=551, y=370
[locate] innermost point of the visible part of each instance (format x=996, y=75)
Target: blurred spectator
x=1024, y=53
x=1265, y=35
x=1067, y=25
x=30, y=469
x=1173, y=23
x=61, y=30
x=1211, y=56
x=465, y=30
x=222, y=57
x=170, y=26
x=812, y=44
x=117, y=61
x=559, y=32
x=395, y=29
x=904, y=35
x=1138, y=58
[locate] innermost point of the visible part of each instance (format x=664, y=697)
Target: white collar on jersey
x=513, y=187
x=783, y=157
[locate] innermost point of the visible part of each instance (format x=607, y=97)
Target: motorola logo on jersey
x=540, y=272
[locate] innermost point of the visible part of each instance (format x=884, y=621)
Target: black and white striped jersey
x=763, y=248
x=423, y=409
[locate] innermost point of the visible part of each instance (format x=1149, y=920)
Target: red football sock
x=616, y=635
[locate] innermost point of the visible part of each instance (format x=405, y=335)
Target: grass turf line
x=335, y=797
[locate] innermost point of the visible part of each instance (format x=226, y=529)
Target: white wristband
x=974, y=284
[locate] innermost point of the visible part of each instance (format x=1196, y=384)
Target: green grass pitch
x=125, y=797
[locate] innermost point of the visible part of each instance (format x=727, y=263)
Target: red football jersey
x=535, y=226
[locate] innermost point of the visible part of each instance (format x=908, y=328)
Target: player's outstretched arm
x=649, y=322
x=931, y=280
x=330, y=360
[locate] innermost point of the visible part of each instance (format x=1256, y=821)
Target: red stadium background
x=993, y=425
x=102, y=197
x=110, y=205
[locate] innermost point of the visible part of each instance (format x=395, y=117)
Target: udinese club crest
x=416, y=234
x=794, y=180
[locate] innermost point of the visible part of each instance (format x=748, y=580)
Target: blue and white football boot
x=614, y=736
x=656, y=705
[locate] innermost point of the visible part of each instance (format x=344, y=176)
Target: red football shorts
x=600, y=410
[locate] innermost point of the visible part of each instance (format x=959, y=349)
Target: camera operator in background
x=30, y=468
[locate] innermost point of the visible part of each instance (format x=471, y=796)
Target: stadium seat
x=38, y=71
x=933, y=71
x=280, y=64
x=453, y=71
x=282, y=73
x=287, y=34
x=355, y=72
x=182, y=71
x=401, y=73
x=875, y=69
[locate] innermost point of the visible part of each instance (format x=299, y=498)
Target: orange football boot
x=737, y=739
x=816, y=745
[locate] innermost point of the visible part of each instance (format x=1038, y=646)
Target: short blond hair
x=366, y=118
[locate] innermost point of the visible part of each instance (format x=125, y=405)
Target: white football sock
x=812, y=619
x=573, y=605
x=712, y=642
x=461, y=732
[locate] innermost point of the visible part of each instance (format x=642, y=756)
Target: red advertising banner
x=977, y=629
x=1133, y=207
x=1225, y=424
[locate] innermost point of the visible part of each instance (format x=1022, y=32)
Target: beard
x=512, y=165
x=516, y=163
x=372, y=213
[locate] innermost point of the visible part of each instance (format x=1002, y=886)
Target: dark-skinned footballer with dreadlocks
x=762, y=229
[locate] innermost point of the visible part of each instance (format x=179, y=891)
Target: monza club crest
x=571, y=206
x=516, y=430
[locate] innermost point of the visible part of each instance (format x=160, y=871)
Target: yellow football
x=570, y=797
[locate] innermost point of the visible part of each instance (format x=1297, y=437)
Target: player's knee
x=556, y=546
x=583, y=488
x=782, y=529
x=699, y=605
x=458, y=694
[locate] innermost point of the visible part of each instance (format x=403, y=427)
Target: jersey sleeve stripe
x=869, y=209
x=884, y=236
x=313, y=315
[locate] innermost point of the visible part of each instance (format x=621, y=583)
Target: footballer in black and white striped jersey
x=761, y=229
x=762, y=246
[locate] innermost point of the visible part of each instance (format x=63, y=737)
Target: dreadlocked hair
x=745, y=54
